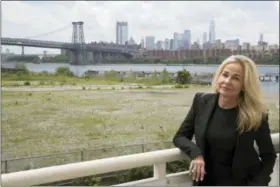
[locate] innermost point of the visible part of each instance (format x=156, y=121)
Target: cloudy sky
x=243, y=20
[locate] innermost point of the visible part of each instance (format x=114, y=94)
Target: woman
x=226, y=124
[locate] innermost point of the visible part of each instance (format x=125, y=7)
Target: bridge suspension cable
x=51, y=32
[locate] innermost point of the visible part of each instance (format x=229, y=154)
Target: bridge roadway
x=65, y=45
x=76, y=48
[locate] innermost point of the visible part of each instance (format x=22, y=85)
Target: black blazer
x=246, y=163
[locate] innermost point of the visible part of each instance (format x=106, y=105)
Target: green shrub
x=87, y=77
x=64, y=71
x=42, y=82
x=27, y=83
x=183, y=77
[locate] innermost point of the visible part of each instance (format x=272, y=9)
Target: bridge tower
x=81, y=32
x=75, y=33
x=78, y=38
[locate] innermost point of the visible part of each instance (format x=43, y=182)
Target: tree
x=183, y=77
x=165, y=79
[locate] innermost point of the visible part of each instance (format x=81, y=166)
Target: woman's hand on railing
x=197, y=168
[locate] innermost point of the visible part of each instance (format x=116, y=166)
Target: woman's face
x=230, y=81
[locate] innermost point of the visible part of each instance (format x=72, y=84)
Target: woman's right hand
x=197, y=168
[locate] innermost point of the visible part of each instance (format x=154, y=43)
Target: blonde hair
x=250, y=101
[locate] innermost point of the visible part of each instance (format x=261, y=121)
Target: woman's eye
x=235, y=78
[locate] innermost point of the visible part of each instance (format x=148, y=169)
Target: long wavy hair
x=252, y=108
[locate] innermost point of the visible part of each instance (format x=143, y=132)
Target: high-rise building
x=166, y=44
x=232, y=44
x=131, y=41
x=261, y=37
x=142, y=43
x=176, y=39
x=187, y=39
x=121, y=33
x=159, y=45
x=204, y=37
x=245, y=46
x=180, y=40
x=212, y=34
x=150, y=42
x=171, y=47
x=198, y=41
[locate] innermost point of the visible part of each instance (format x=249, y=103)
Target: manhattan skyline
x=243, y=20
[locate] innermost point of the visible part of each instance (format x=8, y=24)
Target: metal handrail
x=101, y=166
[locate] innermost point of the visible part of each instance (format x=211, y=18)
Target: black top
x=221, y=137
x=246, y=166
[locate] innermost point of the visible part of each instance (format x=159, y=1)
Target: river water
x=268, y=87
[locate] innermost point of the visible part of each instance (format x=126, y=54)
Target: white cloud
x=161, y=19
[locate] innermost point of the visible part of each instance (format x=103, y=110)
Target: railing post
x=82, y=155
x=160, y=172
x=6, y=166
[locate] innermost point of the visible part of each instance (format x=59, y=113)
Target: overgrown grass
x=109, y=78
x=40, y=123
x=52, y=80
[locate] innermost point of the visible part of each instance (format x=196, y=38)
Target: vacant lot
x=47, y=122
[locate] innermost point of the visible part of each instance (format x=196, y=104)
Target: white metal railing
x=82, y=169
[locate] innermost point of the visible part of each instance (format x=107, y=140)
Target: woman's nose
x=227, y=80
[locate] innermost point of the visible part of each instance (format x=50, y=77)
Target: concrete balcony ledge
x=102, y=166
